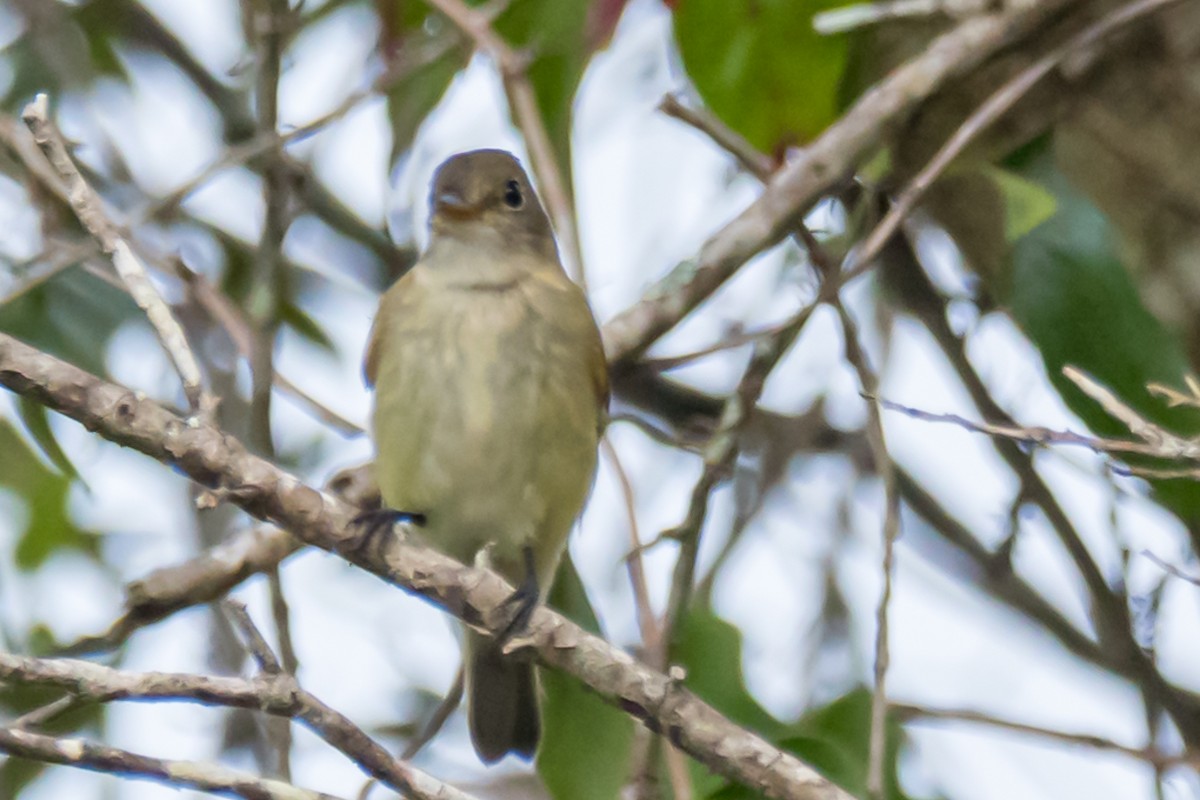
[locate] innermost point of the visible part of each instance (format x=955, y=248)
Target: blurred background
x=1023, y=589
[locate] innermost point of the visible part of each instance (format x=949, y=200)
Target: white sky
x=649, y=192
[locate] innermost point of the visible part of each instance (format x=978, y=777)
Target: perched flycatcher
x=490, y=393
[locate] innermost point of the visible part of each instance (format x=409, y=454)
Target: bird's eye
x=512, y=195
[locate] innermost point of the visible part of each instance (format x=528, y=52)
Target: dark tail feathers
x=502, y=702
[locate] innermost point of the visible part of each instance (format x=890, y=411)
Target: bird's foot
x=379, y=521
x=523, y=601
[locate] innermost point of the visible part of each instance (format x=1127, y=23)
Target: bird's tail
x=502, y=701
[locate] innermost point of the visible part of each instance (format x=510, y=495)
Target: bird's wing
x=394, y=305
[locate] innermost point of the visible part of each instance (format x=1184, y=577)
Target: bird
x=490, y=397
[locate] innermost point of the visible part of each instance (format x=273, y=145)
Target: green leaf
x=710, y=650
x=72, y=316
x=1071, y=294
x=835, y=740
x=585, y=741
x=306, y=327
x=44, y=494
x=555, y=34
x=761, y=67
x=411, y=98
x=37, y=425
x=1026, y=204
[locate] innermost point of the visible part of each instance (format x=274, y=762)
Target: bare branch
x=820, y=166
x=729, y=140
x=206, y=777
x=218, y=461
x=1172, y=569
x=1146, y=754
x=1046, y=436
x=209, y=575
x=891, y=531
x=89, y=208
x=276, y=694
x=848, y=18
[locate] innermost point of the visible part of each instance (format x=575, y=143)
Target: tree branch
x=90, y=210
x=813, y=172
x=218, y=461
x=276, y=694
x=207, y=777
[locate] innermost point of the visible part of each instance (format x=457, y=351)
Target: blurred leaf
x=761, y=67
x=72, y=316
x=1026, y=204
x=835, y=740
x=585, y=741
x=44, y=493
x=555, y=34
x=36, y=418
x=56, y=53
x=411, y=98
x=306, y=327
x=710, y=650
x=1071, y=294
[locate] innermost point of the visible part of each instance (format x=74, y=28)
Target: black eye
x=512, y=195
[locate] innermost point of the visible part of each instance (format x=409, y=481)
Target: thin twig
x=738, y=339
x=810, y=173
x=278, y=695
x=1165, y=443
x=869, y=382
x=637, y=572
x=89, y=208
x=1172, y=569
x=522, y=100
x=41, y=715
x=256, y=643
x=754, y=162
x=719, y=456
x=1147, y=754
x=241, y=332
x=269, y=21
x=205, y=776
x=646, y=748
x=848, y=18
x=265, y=142
x=1045, y=436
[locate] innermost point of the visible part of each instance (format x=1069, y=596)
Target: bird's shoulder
x=396, y=305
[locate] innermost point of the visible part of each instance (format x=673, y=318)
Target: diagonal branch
x=277, y=694
x=218, y=461
x=813, y=172
x=206, y=777
x=89, y=208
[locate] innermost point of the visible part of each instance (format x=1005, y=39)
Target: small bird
x=491, y=392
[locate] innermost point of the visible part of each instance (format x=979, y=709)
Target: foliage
x=1051, y=234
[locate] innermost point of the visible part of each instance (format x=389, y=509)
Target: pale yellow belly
x=488, y=431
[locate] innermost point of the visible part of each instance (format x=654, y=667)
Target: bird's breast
x=484, y=416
